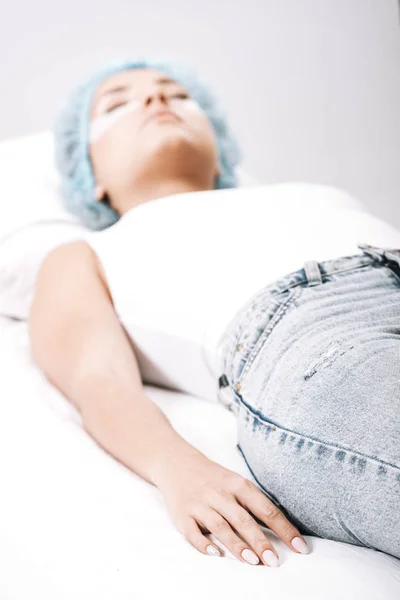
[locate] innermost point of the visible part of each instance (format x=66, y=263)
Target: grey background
x=312, y=87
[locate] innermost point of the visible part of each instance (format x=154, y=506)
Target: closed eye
x=114, y=106
x=182, y=95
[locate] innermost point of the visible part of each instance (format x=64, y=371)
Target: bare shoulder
x=78, y=252
x=72, y=256
x=71, y=251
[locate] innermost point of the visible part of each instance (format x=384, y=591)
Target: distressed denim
x=311, y=369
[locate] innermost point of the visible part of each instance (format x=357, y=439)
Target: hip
x=324, y=316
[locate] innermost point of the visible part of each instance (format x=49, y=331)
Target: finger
x=248, y=528
x=254, y=499
x=220, y=528
x=193, y=534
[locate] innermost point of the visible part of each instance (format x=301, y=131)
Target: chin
x=173, y=137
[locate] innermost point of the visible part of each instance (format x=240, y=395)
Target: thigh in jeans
x=318, y=402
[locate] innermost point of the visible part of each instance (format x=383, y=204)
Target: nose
x=156, y=97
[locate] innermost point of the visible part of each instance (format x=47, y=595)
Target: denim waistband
x=314, y=272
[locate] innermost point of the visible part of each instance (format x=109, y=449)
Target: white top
x=181, y=266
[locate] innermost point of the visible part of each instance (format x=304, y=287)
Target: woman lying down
x=310, y=361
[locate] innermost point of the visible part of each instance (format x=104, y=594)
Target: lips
x=160, y=113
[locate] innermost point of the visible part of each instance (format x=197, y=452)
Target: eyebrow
x=123, y=88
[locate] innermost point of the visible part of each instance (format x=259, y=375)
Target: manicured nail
x=270, y=558
x=212, y=551
x=299, y=545
x=250, y=557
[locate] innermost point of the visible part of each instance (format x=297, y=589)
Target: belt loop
x=387, y=256
x=374, y=251
x=313, y=273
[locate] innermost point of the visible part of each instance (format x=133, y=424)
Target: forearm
x=133, y=429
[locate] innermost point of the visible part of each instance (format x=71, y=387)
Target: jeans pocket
x=257, y=328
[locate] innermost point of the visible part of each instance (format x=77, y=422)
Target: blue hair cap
x=71, y=139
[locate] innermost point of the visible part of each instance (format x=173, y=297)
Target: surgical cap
x=71, y=138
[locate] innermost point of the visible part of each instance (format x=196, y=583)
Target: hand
x=203, y=497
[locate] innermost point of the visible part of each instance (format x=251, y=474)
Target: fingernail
x=250, y=557
x=270, y=558
x=299, y=545
x=212, y=551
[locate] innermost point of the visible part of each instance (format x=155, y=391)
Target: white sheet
x=76, y=524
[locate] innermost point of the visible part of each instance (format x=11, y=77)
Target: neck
x=152, y=191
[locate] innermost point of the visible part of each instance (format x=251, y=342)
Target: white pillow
x=33, y=218
x=30, y=182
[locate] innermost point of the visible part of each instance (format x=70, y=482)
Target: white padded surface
x=75, y=523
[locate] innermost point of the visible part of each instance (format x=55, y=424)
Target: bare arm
x=78, y=341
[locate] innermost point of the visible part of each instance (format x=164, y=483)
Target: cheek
x=97, y=158
x=198, y=122
x=118, y=144
x=203, y=124
x=113, y=157
x=207, y=135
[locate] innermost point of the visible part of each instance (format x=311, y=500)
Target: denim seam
x=350, y=533
x=360, y=266
x=328, y=274
x=276, y=501
x=277, y=316
x=264, y=421
x=271, y=496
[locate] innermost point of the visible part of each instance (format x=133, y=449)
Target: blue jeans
x=311, y=368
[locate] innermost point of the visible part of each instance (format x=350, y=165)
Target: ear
x=99, y=192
